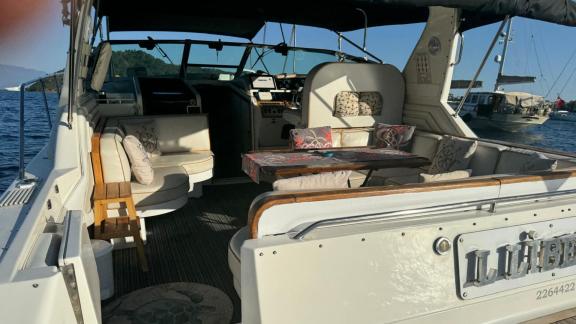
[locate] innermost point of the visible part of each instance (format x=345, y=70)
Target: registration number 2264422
x=557, y=290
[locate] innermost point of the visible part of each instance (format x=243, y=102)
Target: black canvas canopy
x=245, y=18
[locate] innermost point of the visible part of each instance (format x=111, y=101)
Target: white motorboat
x=507, y=111
x=148, y=148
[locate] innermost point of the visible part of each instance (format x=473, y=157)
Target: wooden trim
x=265, y=202
x=260, y=206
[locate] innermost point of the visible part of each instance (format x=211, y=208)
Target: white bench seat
x=192, y=162
x=169, y=184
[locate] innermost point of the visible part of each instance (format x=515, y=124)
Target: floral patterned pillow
x=453, y=154
x=311, y=138
x=347, y=104
x=145, y=132
x=396, y=137
x=370, y=103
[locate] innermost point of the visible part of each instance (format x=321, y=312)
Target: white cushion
x=101, y=69
x=454, y=175
x=425, y=144
x=139, y=160
x=326, y=180
x=453, y=154
x=519, y=161
x=192, y=162
x=485, y=158
x=169, y=183
x=183, y=133
x=115, y=165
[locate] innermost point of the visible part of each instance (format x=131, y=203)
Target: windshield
x=129, y=60
x=213, y=60
x=214, y=63
x=296, y=61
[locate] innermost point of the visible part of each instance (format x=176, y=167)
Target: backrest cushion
x=102, y=65
x=518, y=161
x=453, y=154
x=311, y=138
x=139, y=160
x=175, y=133
x=115, y=165
x=397, y=137
x=425, y=144
x=145, y=131
x=378, y=88
x=486, y=158
x=183, y=133
x=326, y=180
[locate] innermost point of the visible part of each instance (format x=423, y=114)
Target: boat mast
x=504, y=51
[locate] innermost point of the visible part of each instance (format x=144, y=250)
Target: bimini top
x=245, y=18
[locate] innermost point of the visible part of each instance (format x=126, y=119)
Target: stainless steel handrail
x=21, y=168
x=427, y=210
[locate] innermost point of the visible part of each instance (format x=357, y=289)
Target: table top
x=270, y=166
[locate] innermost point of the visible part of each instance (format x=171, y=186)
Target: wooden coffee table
x=269, y=166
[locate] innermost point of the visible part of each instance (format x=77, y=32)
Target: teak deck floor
x=190, y=244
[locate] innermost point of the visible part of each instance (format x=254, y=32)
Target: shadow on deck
x=191, y=244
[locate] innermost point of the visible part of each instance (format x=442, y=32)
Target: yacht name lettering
x=521, y=259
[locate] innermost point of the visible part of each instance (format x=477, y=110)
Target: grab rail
x=23, y=182
x=426, y=210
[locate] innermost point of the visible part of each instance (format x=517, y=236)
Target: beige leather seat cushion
x=169, y=183
x=192, y=162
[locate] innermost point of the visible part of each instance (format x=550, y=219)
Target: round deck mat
x=179, y=302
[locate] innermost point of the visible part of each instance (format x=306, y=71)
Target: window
x=207, y=63
x=129, y=60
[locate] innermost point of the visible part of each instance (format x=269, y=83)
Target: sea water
x=554, y=134
x=36, y=130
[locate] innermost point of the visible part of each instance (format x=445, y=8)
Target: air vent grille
x=16, y=196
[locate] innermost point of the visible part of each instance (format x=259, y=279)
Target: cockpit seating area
x=181, y=161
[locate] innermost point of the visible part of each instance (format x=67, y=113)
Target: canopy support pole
x=481, y=67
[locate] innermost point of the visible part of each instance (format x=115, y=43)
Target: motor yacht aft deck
x=280, y=183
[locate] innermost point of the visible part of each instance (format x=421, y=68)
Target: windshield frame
x=248, y=49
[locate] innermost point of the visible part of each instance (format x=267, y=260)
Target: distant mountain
x=11, y=75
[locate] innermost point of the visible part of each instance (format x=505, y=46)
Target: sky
x=538, y=49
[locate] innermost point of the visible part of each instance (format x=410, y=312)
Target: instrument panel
x=276, y=93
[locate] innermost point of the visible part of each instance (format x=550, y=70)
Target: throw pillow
x=370, y=103
x=311, y=138
x=397, y=137
x=145, y=131
x=454, y=175
x=139, y=160
x=453, y=154
x=347, y=104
